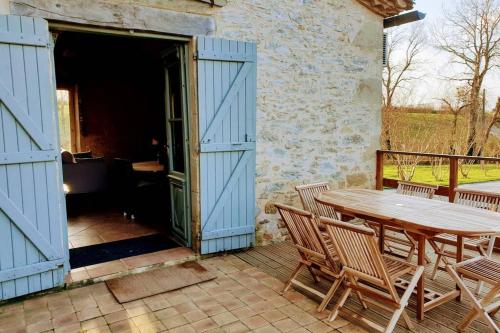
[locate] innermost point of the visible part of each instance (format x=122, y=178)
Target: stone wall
x=319, y=91
x=318, y=99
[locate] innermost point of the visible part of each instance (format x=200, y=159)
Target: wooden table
x=488, y=187
x=148, y=166
x=423, y=218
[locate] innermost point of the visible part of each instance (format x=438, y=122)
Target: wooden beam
x=121, y=16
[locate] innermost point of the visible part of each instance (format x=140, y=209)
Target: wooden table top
x=424, y=216
x=488, y=187
x=148, y=166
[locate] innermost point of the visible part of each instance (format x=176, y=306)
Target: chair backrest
x=305, y=234
x=307, y=193
x=416, y=189
x=478, y=199
x=357, y=250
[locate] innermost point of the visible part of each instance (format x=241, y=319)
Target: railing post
x=379, y=171
x=453, y=179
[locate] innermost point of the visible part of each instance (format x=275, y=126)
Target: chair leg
x=438, y=260
x=340, y=303
x=292, y=277
x=394, y=320
x=329, y=295
x=407, y=321
x=478, y=309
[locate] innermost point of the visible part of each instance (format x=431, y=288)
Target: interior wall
x=121, y=91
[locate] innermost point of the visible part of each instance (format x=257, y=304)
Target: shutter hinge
x=195, y=55
x=198, y=236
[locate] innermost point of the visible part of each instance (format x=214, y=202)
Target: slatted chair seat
x=481, y=268
x=483, y=245
x=364, y=266
x=397, y=268
x=315, y=250
x=469, y=243
x=485, y=270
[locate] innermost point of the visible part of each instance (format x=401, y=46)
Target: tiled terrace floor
x=280, y=259
x=241, y=299
x=244, y=297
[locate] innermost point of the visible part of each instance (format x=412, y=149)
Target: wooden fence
x=453, y=160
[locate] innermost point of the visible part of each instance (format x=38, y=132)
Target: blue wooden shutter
x=227, y=104
x=33, y=245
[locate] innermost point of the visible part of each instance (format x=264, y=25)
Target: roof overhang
x=387, y=8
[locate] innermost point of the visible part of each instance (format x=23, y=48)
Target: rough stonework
x=318, y=97
x=318, y=91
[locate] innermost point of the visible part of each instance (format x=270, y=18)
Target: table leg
x=381, y=238
x=459, y=258
x=420, y=285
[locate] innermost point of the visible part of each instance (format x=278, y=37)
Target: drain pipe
x=4, y=7
x=405, y=18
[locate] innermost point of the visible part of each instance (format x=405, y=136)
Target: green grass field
x=423, y=174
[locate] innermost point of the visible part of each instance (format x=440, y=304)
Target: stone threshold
x=132, y=265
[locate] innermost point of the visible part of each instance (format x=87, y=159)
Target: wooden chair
x=307, y=193
x=396, y=238
x=416, y=189
x=361, y=261
x=485, y=270
x=315, y=254
x=481, y=200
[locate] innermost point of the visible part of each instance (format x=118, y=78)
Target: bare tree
x=470, y=34
x=403, y=48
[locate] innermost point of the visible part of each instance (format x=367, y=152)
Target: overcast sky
x=432, y=87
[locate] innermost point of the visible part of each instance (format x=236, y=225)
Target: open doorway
x=122, y=127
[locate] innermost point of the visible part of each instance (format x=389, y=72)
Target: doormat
x=99, y=253
x=137, y=286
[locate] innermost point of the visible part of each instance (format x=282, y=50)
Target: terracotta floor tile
x=195, y=315
x=273, y=316
x=183, y=329
x=72, y=328
x=235, y=328
x=38, y=327
x=93, y=323
x=174, y=321
x=116, y=316
x=267, y=329
x=255, y=322
x=286, y=325
x=106, y=268
x=110, y=308
x=204, y=325
x=166, y=313
x=126, y=325
x=64, y=320
x=319, y=327
x=224, y=318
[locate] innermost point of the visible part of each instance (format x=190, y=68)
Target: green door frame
x=179, y=179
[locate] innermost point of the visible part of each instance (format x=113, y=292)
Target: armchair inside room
x=83, y=174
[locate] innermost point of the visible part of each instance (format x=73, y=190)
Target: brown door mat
x=136, y=286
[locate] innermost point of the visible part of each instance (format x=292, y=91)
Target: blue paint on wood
x=33, y=246
x=227, y=107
